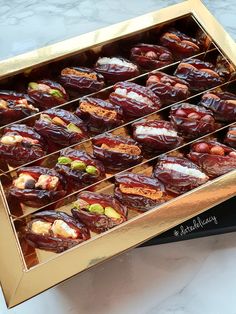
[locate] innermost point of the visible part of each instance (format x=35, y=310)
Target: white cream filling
x=148, y=130
x=133, y=95
x=116, y=61
x=60, y=228
x=185, y=170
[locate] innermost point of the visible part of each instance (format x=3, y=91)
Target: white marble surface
x=191, y=277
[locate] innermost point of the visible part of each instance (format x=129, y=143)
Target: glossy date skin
x=116, y=152
x=47, y=93
x=116, y=69
x=61, y=127
x=79, y=168
x=180, y=44
x=57, y=226
x=158, y=136
x=213, y=158
x=178, y=174
x=150, y=57
x=135, y=100
x=224, y=68
x=138, y=191
x=168, y=88
x=199, y=74
x=230, y=138
x=192, y=121
x=81, y=79
x=21, y=144
x=37, y=186
x=99, y=115
x=223, y=105
x=99, y=212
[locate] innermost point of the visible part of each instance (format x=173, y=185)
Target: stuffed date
x=82, y=80
x=138, y=191
x=230, y=138
x=135, y=100
x=61, y=127
x=55, y=231
x=37, y=186
x=116, y=69
x=213, y=158
x=192, y=121
x=223, y=105
x=99, y=212
x=150, y=57
x=47, y=93
x=79, y=168
x=178, y=174
x=21, y=144
x=199, y=74
x=154, y=135
x=168, y=88
x=99, y=115
x=116, y=152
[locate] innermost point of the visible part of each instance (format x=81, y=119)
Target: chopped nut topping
x=99, y=111
x=123, y=148
x=68, y=71
x=11, y=139
x=58, y=121
x=47, y=182
x=145, y=192
x=61, y=228
x=3, y=104
x=41, y=227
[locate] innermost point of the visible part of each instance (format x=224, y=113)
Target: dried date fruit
x=81, y=79
x=180, y=44
x=230, y=138
x=55, y=231
x=99, y=115
x=223, y=105
x=47, y=93
x=224, y=68
x=116, y=152
x=116, y=69
x=154, y=135
x=37, y=186
x=178, y=174
x=61, y=127
x=138, y=191
x=21, y=144
x=192, y=121
x=199, y=74
x=99, y=212
x=150, y=57
x=168, y=88
x=213, y=158
x=79, y=168
x=135, y=100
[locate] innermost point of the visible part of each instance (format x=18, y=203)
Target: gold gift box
x=25, y=272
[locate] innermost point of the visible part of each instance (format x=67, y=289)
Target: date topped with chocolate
x=178, y=174
x=55, y=231
x=230, y=138
x=180, y=44
x=168, y=88
x=150, y=57
x=21, y=144
x=81, y=79
x=99, y=115
x=135, y=100
x=192, y=121
x=116, y=152
x=61, y=127
x=47, y=93
x=139, y=191
x=156, y=135
x=116, y=69
x=37, y=186
x=223, y=105
x=99, y=212
x=79, y=168
x=199, y=74
x=214, y=158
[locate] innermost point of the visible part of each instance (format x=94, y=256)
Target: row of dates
x=173, y=174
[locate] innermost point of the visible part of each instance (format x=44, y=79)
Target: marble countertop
x=191, y=277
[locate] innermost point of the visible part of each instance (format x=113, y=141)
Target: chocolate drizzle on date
x=55, y=231
x=99, y=212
